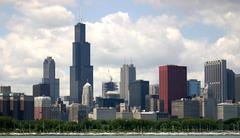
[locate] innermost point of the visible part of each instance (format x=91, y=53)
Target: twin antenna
x=80, y=15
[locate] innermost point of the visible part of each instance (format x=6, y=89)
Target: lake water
x=119, y=136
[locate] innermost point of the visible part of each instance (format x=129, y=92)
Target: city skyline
x=159, y=35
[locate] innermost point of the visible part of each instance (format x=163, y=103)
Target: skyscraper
x=41, y=89
x=193, y=87
x=5, y=89
x=42, y=107
x=216, y=78
x=172, y=84
x=49, y=77
x=87, y=96
x=230, y=85
x=127, y=75
x=237, y=87
x=108, y=86
x=137, y=92
x=154, y=89
x=81, y=70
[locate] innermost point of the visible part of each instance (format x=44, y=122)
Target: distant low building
x=27, y=107
x=108, y=102
x=42, y=107
x=16, y=105
x=78, y=112
x=104, y=114
x=185, y=108
x=145, y=115
x=4, y=104
x=59, y=110
x=227, y=111
x=124, y=115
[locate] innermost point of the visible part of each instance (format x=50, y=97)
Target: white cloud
x=173, y=34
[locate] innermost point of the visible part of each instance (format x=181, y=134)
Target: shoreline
x=227, y=133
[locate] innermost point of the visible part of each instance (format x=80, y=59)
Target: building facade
x=152, y=103
x=227, y=111
x=185, y=108
x=230, y=85
x=87, y=96
x=127, y=75
x=104, y=114
x=78, y=112
x=108, y=86
x=154, y=89
x=5, y=89
x=41, y=89
x=81, y=70
x=215, y=75
x=26, y=107
x=137, y=93
x=49, y=77
x=17, y=106
x=193, y=87
x=4, y=104
x=108, y=102
x=237, y=87
x=42, y=107
x=172, y=84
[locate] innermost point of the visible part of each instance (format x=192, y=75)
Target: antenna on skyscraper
x=81, y=15
x=130, y=60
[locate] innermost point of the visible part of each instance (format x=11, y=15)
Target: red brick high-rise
x=172, y=84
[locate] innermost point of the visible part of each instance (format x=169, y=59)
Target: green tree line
x=8, y=124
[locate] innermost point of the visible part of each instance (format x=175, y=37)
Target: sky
x=147, y=33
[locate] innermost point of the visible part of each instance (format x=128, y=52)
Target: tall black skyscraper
x=81, y=70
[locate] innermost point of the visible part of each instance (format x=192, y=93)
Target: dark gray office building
x=49, y=77
x=137, y=92
x=237, y=87
x=17, y=105
x=41, y=89
x=81, y=70
x=4, y=104
x=26, y=107
x=230, y=85
x=216, y=78
x=5, y=89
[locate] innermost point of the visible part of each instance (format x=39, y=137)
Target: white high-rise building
x=216, y=78
x=87, y=96
x=127, y=75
